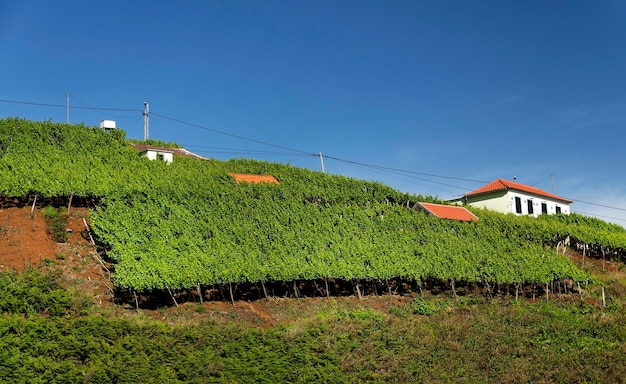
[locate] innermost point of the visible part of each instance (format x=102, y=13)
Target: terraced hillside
x=189, y=225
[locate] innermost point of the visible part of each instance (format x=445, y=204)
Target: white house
x=511, y=197
x=166, y=154
x=158, y=154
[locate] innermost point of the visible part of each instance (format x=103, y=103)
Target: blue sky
x=468, y=90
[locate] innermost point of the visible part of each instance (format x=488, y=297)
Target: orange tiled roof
x=239, y=177
x=502, y=185
x=448, y=211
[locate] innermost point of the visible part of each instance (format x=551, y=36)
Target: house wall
x=495, y=201
x=505, y=202
x=536, y=201
x=168, y=157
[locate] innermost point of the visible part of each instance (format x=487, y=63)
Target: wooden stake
x=173, y=298
x=603, y=297
x=32, y=210
x=453, y=289
x=547, y=290
x=295, y=289
x=358, y=290
x=200, y=293
x=70, y=203
x=136, y=301
x=580, y=292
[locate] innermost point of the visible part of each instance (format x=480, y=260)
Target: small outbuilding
x=451, y=212
x=166, y=154
x=256, y=179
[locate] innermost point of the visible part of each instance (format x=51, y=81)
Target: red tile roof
x=503, y=185
x=447, y=211
x=239, y=177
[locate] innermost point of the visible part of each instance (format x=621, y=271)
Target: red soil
x=25, y=242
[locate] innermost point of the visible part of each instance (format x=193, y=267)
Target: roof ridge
x=507, y=184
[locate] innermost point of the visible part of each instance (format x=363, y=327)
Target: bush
x=420, y=307
x=33, y=292
x=56, y=220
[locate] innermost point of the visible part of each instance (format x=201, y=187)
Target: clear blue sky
x=473, y=90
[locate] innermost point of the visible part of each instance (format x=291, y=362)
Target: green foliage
x=421, y=307
x=53, y=159
x=156, y=143
x=56, y=219
x=110, y=350
x=489, y=342
x=187, y=223
x=33, y=292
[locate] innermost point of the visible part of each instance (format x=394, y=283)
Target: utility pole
x=146, y=121
x=552, y=176
x=322, y=162
x=68, y=107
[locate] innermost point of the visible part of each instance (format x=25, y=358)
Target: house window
x=544, y=208
x=558, y=210
x=530, y=207
x=160, y=156
x=518, y=205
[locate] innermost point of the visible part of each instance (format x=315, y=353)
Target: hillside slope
x=189, y=225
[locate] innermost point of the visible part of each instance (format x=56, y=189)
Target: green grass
x=54, y=337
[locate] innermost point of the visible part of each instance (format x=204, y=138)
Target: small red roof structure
x=451, y=212
x=239, y=177
x=503, y=185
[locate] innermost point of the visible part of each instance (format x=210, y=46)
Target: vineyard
x=188, y=226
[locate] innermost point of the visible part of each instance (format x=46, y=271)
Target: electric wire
x=596, y=215
x=403, y=171
x=230, y=134
x=65, y=106
x=97, y=109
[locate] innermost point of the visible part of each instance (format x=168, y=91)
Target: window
x=530, y=207
x=558, y=210
x=160, y=156
x=518, y=205
x=544, y=208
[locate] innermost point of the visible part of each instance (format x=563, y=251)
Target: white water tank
x=107, y=124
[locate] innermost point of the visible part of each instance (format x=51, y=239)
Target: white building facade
x=155, y=154
x=510, y=197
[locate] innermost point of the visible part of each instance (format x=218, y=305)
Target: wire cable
x=596, y=215
x=403, y=171
x=230, y=134
x=65, y=106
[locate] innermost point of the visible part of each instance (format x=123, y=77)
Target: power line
x=231, y=134
x=65, y=106
x=238, y=150
x=402, y=170
x=403, y=174
x=596, y=215
x=596, y=204
x=85, y=106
